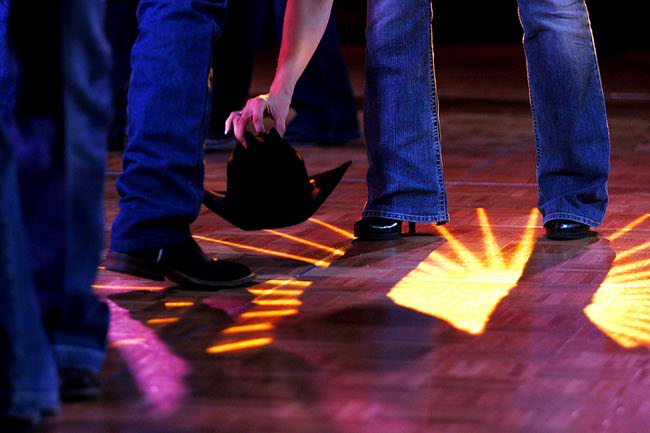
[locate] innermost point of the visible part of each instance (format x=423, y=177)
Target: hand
x=276, y=105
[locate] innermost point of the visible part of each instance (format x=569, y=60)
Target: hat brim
x=324, y=184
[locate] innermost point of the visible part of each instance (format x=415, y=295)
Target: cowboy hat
x=268, y=186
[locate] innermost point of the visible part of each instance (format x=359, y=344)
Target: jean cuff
x=147, y=242
x=435, y=218
x=68, y=356
x=571, y=217
x=30, y=404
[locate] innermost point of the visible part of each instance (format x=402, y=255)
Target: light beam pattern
x=465, y=291
x=158, y=373
x=322, y=263
x=621, y=306
x=333, y=253
x=275, y=296
x=335, y=229
x=179, y=304
x=270, y=306
x=316, y=245
x=121, y=287
x=162, y=320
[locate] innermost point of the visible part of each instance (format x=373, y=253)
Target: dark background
x=617, y=24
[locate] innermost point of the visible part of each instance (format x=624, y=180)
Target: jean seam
x=433, y=106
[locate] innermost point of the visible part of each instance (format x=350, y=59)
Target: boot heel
x=411, y=228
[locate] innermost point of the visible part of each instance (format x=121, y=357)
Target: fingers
x=258, y=122
x=280, y=118
x=280, y=124
x=229, y=122
x=254, y=112
x=240, y=121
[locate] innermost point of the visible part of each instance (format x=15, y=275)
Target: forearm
x=304, y=24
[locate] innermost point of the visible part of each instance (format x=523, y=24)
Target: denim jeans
x=52, y=164
x=323, y=95
x=405, y=174
x=161, y=187
x=7, y=75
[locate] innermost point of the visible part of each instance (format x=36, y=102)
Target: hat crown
x=268, y=185
x=267, y=173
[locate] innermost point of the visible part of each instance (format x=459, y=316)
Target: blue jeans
x=405, y=173
x=7, y=75
x=323, y=96
x=161, y=187
x=52, y=164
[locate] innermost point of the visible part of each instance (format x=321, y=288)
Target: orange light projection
x=248, y=328
x=316, y=245
x=179, y=304
x=127, y=342
x=277, y=302
x=335, y=229
x=270, y=313
x=245, y=344
x=621, y=306
x=463, y=287
x=320, y=263
x=284, y=292
x=162, y=321
x=272, y=298
x=121, y=287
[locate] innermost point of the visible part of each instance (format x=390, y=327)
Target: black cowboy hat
x=268, y=185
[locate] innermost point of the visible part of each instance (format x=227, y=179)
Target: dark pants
x=52, y=162
x=161, y=188
x=121, y=27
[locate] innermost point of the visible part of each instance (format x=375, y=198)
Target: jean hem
x=436, y=218
x=68, y=356
x=571, y=217
x=144, y=243
x=30, y=404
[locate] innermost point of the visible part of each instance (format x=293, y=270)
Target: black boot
x=377, y=229
x=564, y=230
x=183, y=263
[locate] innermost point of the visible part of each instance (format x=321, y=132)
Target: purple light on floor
x=158, y=373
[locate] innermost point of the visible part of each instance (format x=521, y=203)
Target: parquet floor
x=482, y=325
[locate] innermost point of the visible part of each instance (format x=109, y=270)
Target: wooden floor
x=481, y=325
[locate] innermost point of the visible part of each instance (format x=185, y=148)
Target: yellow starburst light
x=463, y=287
x=621, y=306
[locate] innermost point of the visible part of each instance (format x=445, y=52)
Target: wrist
x=281, y=91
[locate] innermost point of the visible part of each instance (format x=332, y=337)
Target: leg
x=61, y=170
x=51, y=193
x=405, y=175
x=28, y=377
x=7, y=87
x=571, y=134
x=323, y=98
x=161, y=188
x=80, y=338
